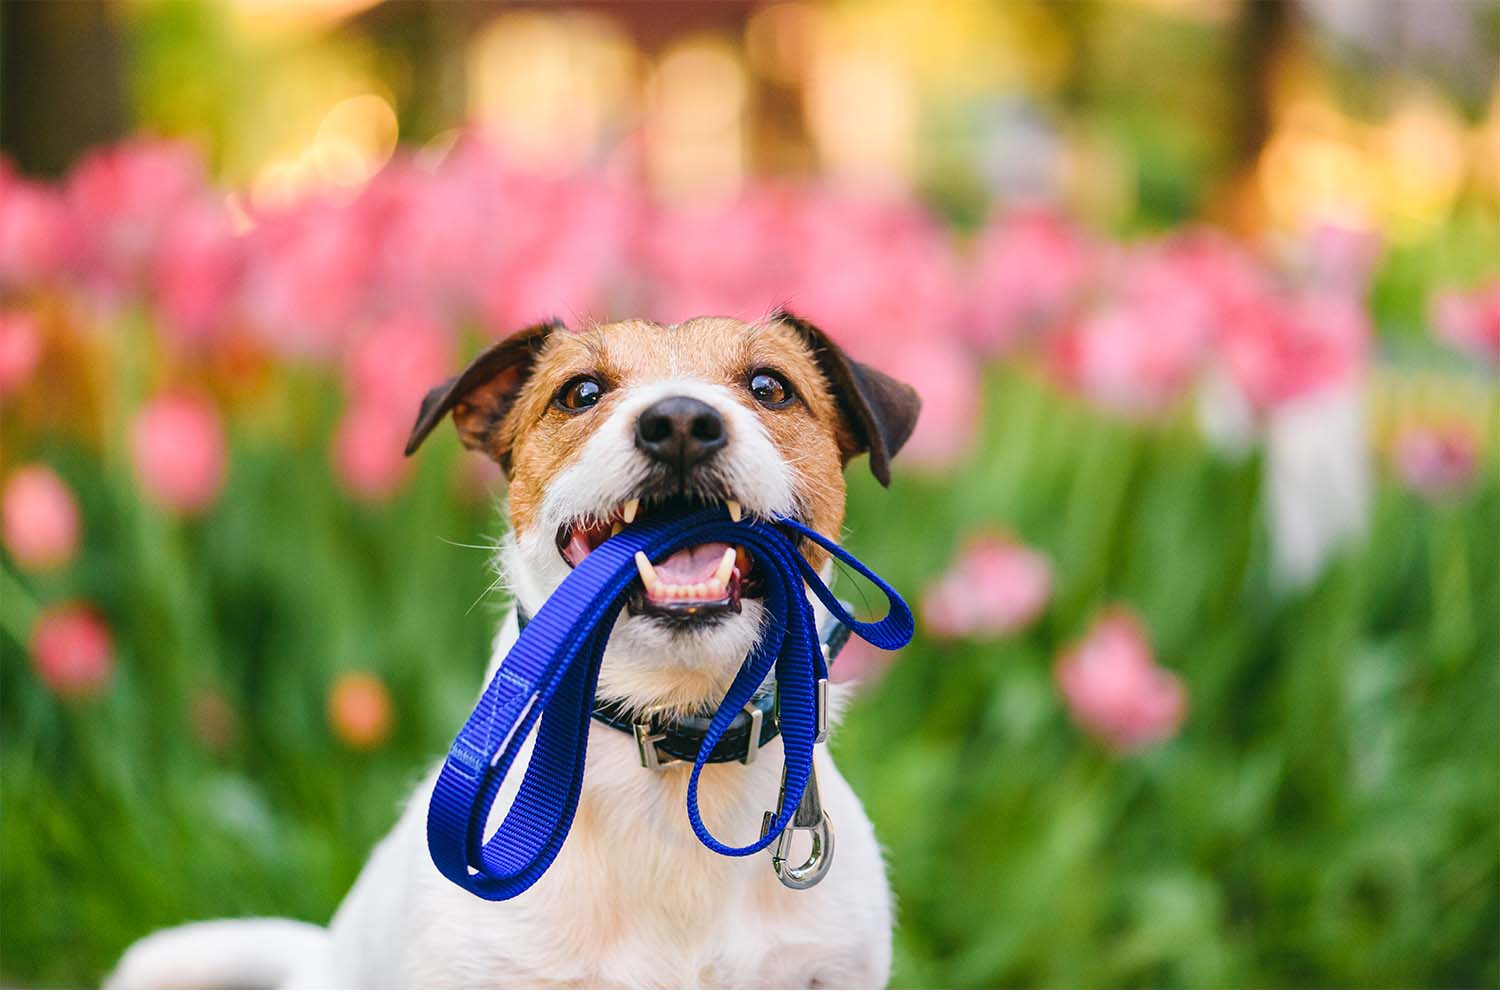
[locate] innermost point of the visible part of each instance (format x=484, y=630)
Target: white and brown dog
x=587, y=427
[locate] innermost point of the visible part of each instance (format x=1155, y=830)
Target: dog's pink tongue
x=691, y=565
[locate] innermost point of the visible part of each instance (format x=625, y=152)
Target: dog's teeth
x=647, y=571
x=616, y=528
x=628, y=512
x=734, y=509
x=726, y=567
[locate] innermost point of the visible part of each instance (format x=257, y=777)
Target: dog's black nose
x=680, y=431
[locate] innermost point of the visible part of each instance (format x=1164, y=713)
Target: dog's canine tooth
x=628, y=512
x=647, y=571
x=726, y=567
x=734, y=509
x=616, y=528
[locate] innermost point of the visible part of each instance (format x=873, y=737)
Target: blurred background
x=1202, y=518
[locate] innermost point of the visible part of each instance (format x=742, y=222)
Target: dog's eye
x=579, y=393
x=770, y=389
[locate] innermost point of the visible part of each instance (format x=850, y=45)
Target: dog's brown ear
x=483, y=393
x=881, y=411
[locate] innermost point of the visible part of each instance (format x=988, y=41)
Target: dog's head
x=591, y=427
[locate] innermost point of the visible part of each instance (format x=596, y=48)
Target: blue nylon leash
x=663, y=742
x=547, y=680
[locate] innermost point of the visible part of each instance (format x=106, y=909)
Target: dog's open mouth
x=693, y=584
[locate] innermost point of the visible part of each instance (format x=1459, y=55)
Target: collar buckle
x=645, y=743
x=652, y=759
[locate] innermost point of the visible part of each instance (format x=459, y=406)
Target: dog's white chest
x=633, y=900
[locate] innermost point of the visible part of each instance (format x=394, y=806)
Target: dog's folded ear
x=881, y=411
x=483, y=393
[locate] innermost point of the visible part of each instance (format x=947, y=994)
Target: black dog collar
x=665, y=742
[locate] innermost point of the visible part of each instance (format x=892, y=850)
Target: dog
x=589, y=427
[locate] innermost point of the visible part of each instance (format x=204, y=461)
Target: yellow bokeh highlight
x=696, y=120
x=1484, y=151
x=549, y=87
x=1403, y=173
x=353, y=140
x=862, y=112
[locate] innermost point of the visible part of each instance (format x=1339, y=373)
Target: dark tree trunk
x=62, y=85
x=1260, y=36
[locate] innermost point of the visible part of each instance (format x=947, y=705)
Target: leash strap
x=546, y=682
x=680, y=737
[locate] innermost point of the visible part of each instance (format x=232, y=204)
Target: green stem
x=1452, y=598
x=18, y=609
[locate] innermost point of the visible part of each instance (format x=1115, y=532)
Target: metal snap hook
x=810, y=817
x=819, y=859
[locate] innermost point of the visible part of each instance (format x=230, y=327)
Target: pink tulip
x=1470, y=321
x=306, y=278
x=37, y=234
x=1030, y=267
x=480, y=236
x=996, y=587
x=1114, y=689
x=947, y=378
x=124, y=198
x=1438, y=461
x=196, y=269
x=1129, y=357
x=875, y=272
x=1141, y=346
x=71, y=650
x=392, y=365
x=566, y=240
x=20, y=350
x=424, y=237
x=1191, y=281
x=720, y=258
x=359, y=710
x=860, y=663
x=40, y=518
x=1337, y=257
x=367, y=452
x=177, y=442
x=1281, y=348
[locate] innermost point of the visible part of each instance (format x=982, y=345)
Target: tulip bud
x=71, y=651
x=359, y=710
x=40, y=518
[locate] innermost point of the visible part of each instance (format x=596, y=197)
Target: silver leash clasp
x=808, y=816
